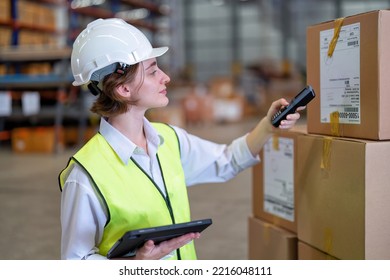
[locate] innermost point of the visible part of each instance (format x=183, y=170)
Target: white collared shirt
x=83, y=215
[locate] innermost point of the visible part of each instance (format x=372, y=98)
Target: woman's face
x=153, y=91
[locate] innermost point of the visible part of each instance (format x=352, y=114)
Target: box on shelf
x=35, y=14
x=269, y=242
x=35, y=139
x=34, y=38
x=5, y=36
x=5, y=10
x=352, y=84
x=43, y=68
x=275, y=185
x=344, y=196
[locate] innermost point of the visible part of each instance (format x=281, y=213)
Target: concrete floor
x=30, y=203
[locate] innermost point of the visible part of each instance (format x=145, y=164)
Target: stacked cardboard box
x=274, y=221
x=352, y=82
x=269, y=242
x=341, y=190
x=35, y=14
x=35, y=38
x=343, y=196
x=344, y=191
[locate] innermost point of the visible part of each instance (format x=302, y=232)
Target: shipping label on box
x=350, y=76
x=278, y=157
x=340, y=74
x=274, y=187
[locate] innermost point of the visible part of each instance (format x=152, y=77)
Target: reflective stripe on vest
x=136, y=202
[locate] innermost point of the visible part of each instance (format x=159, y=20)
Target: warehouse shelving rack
x=54, y=84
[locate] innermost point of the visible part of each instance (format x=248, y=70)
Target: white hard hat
x=105, y=42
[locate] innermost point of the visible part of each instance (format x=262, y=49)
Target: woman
x=133, y=173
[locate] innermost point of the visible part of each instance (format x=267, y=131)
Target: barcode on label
x=351, y=109
x=353, y=43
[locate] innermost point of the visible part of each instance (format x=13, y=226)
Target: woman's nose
x=165, y=78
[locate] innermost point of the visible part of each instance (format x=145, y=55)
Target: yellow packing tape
x=326, y=153
x=275, y=142
x=338, y=23
x=335, y=124
x=328, y=240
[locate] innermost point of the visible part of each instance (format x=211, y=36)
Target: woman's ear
x=124, y=90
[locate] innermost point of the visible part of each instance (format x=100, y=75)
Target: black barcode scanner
x=302, y=99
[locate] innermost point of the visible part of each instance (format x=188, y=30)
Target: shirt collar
x=123, y=146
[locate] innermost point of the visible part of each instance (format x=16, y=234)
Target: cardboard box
x=5, y=36
x=35, y=140
x=228, y=109
x=269, y=242
x=344, y=196
x=274, y=182
x=352, y=85
x=307, y=252
x=5, y=10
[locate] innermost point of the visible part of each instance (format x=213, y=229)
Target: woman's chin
x=162, y=104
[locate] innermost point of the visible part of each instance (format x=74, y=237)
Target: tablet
x=128, y=244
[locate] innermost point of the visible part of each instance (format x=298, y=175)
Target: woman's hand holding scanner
x=290, y=119
x=297, y=103
x=264, y=129
x=151, y=251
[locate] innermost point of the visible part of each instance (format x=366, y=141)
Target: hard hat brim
x=156, y=52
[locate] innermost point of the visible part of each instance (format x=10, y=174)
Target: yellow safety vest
x=131, y=196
